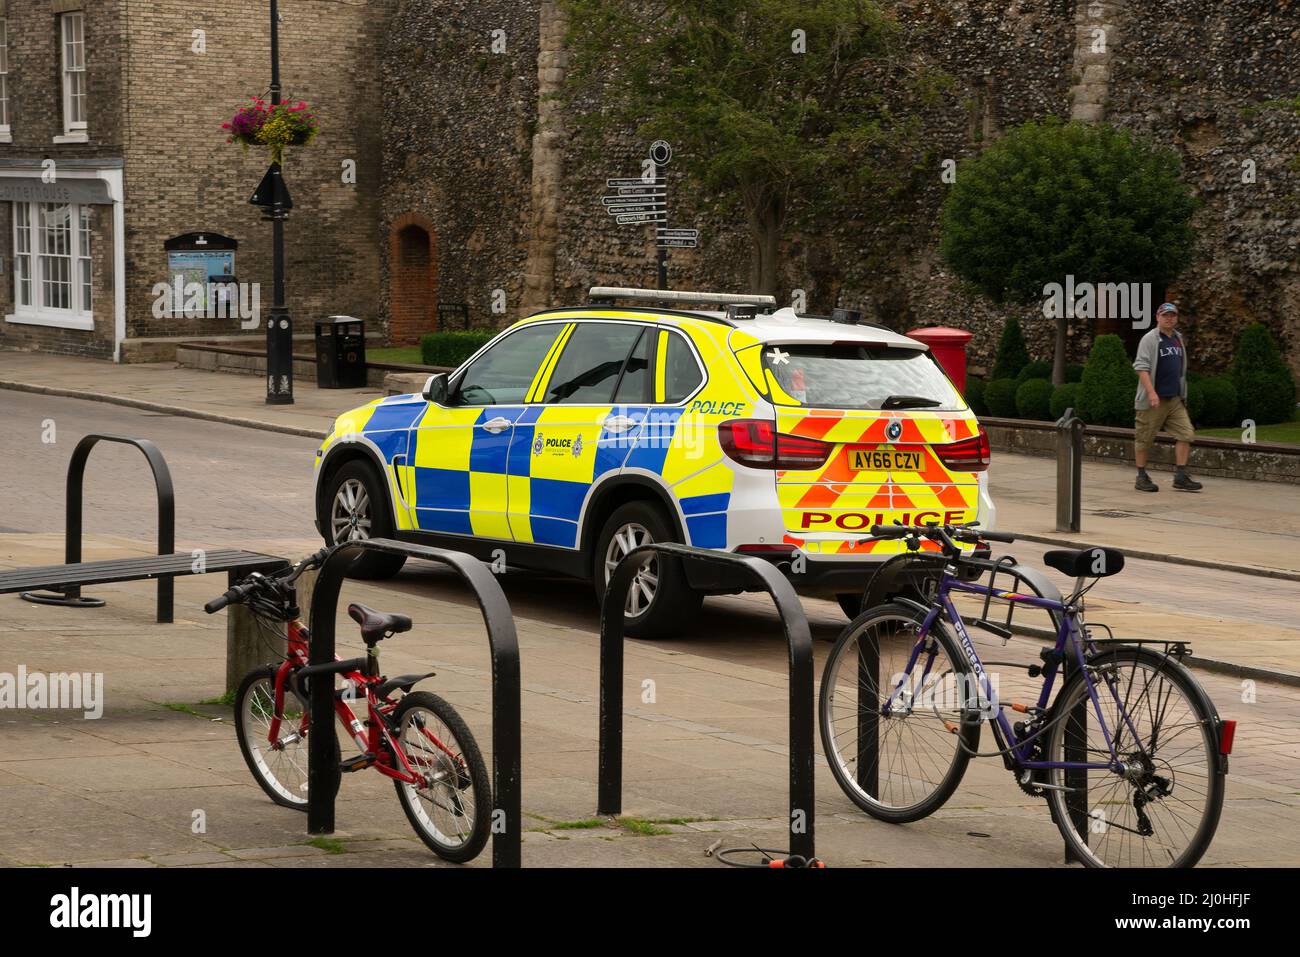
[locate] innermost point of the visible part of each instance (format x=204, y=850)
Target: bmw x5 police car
x=579, y=433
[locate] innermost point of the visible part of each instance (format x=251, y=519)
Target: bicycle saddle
x=1096, y=562
x=376, y=625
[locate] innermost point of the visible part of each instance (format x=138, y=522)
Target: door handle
x=621, y=423
x=497, y=425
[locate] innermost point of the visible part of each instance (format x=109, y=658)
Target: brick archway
x=412, y=279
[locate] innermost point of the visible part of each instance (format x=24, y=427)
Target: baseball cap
x=1167, y=307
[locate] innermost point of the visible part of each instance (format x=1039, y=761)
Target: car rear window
x=856, y=376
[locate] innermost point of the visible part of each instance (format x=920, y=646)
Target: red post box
x=949, y=348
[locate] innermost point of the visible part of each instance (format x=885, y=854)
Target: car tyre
x=661, y=604
x=355, y=507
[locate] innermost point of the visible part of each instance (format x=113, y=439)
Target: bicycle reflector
x=1227, y=731
x=756, y=443
x=968, y=455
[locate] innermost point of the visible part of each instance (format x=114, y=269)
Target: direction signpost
x=638, y=200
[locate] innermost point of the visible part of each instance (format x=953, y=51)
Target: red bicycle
x=416, y=739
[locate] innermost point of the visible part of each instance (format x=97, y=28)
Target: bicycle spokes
x=1154, y=805
x=890, y=702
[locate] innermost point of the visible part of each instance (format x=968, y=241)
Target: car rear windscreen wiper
x=909, y=402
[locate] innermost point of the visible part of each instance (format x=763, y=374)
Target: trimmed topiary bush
x=1220, y=403
x=1034, y=370
x=1065, y=397
x=452, y=348
x=1265, y=384
x=1195, y=400
x=1000, y=397
x=975, y=395
x=1073, y=372
x=1109, y=384
x=1034, y=399
x=1012, y=355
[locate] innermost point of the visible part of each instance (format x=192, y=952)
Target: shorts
x=1170, y=416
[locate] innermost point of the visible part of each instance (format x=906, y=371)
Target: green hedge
x=1073, y=372
x=1000, y=397
x=451, y=348
x=974, y=395
x=1034, y=370
x=1034, y=399
x=1220, y=403
x=1109, y=384
x=1064, y=397
x=1265, y=383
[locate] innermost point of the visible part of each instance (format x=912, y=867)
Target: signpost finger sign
x=637, y=200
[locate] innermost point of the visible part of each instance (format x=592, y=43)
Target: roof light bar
x=610, y=293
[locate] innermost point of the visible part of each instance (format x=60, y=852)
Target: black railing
x=322, y=760
x=746, y=572
x=162, y=478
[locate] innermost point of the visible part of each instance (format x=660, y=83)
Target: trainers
x=1186, y=483
x=1144, y=484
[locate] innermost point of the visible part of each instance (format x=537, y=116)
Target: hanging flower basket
x=272, y=127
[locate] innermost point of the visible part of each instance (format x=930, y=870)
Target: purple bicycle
x=1130, y=755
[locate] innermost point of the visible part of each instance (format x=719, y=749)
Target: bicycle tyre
x=291, y=792
x=474, y=778
x=969, y=734
x=1201, y=714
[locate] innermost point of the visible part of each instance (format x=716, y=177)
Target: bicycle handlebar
x=946, y=535
x=238, y=593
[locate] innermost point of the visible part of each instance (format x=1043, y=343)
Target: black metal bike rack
x=746, y=571
x=162, y=478
x=323, y=774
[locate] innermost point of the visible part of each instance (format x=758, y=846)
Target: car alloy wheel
x=641, y=593
x=350, y=513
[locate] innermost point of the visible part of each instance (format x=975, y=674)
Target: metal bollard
x=1069, y=472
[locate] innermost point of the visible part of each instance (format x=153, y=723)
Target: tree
x=769, y=103
x=1051, y=200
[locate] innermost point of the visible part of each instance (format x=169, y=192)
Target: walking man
x=1161, y=401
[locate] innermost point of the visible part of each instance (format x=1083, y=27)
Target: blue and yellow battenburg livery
x=523, y=462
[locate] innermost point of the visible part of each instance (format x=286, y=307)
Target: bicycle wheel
x=451, y=812
x=1163, y=809
x=917, y=761
x=281, y=771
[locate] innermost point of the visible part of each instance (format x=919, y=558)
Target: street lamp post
x=279, y=327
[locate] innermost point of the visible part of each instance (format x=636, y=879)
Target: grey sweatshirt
x=1148, y=355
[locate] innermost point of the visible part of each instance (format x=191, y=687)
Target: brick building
x=111, y=145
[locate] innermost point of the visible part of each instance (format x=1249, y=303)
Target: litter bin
x=341, y=353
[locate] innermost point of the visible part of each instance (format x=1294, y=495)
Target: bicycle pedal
x=358, y=763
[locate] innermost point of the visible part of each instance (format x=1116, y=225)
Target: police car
x=580, y=433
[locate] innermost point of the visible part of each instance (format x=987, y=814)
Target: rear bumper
x=828, y=579
x=824, y=579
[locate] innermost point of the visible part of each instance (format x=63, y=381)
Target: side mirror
x=435, y=388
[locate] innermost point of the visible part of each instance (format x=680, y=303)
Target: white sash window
x=52, y=265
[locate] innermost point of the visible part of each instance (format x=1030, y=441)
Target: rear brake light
x=967, y=455
x=756, y=443
x=1227, y=731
